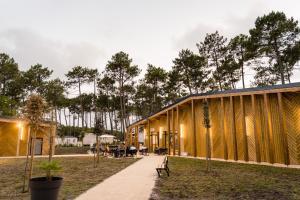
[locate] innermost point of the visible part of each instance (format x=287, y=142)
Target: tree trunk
x=242, y=67
x=78, y=120
x=86, y=119
x=116, y=121
x=105, y=121
x=98, y=150
x=217, y=68
x=73, y=121
x=66, y=121
x=59, y=116
x=280, y=64
x=52, y=135
x=208, y=151
x=32, y=150
x=110, y=121
x=243, y=77
x=121, y=114
x=81, y=105
x=27, y=159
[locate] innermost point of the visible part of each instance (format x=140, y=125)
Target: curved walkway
x=132, y=183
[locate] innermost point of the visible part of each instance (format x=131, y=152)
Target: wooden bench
x=164, y=166
x=161, y=151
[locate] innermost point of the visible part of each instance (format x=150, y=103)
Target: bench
x=144, y=151
x=161, y=151
x=164, y=166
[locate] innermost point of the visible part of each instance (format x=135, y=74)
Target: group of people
x=120, y=150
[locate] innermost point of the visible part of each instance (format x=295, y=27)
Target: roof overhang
x=292, y=87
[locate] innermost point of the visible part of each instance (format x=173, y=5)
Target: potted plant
x=46, y=188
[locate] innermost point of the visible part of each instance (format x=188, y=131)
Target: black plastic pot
x=43, y=189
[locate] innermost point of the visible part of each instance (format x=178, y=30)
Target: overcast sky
x=61, y=34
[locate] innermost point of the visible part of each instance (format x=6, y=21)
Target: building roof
x=14, y=119
x=234, y=92
x=10, y=119
x=107, y=136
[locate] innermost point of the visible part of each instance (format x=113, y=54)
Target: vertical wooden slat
x=137, y=137
x=245, y=140
x=194, y=142
x=283, y=130
x=130, y=136
x=178, y=130
x=126, y=136
x=149, y=137
x=19, y=138
x=257, y=145
x=158, y=139
x=269, y=129
x=168, y=122
x=222, y=129
x=233, y=129
x=28, y=140
x=173, y=130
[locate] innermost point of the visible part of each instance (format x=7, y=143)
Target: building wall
x=9, y=134
x=8, y=143
x=292, y=113
x=264, y=141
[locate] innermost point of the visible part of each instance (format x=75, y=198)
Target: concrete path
x=132, y=183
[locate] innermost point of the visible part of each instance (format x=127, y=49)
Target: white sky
x=61, y=34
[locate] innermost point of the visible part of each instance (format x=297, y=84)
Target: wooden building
x=255, y=124
x=14, y=136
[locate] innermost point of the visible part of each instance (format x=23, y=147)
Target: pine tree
x=273, y=37
x=213, y=48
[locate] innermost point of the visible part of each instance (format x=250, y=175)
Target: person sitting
x=144, y=150
x=132, y=150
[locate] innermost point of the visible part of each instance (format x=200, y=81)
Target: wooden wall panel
x=201, y=148
x=268, y=128
x=178, y=130
x=187, y=127
x=23, y=143
x=148, y=135
x=278, y=149
x=238, y=128
x=222, y=127
x=217, y=143
x=283, y=128
x=228, y=129
x=249, y=119
x=291, y=103
x=146, y=138
x=194, y=137
x=159, y=124
x=262, y=130
x=8, y=136
x=243, y=129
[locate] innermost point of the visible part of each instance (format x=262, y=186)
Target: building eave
x=292, y=87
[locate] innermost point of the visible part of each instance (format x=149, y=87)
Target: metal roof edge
x=232, y=91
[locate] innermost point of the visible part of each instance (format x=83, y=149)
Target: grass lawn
x=189, y=180
x=78, y=172
x=59, y=150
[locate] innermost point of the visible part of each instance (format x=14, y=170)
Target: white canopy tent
x=106, y=139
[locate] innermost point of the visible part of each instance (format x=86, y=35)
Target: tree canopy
x=122, y=92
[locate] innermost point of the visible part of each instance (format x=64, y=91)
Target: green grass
x=78, y=173
x=60, y=150
x=189, y=180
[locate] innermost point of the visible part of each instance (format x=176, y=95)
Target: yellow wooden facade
x=14, y=136
x=258, y=124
